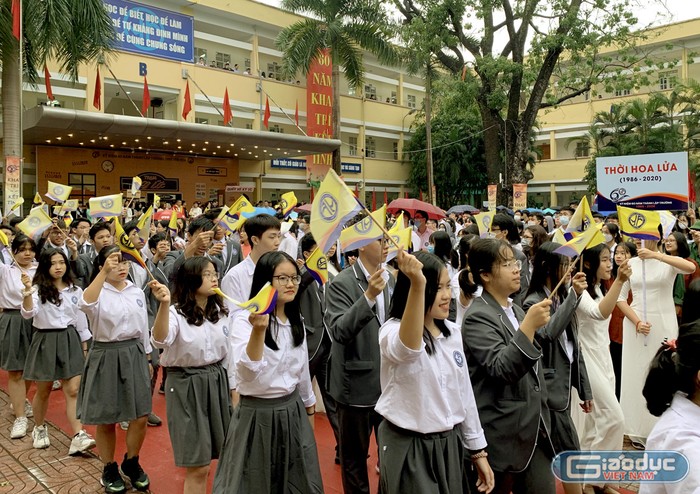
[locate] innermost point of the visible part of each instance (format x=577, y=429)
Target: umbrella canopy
x=304, y=208
x=503, y=208
x=463, y=208
x=165, y=215
x=413, y=205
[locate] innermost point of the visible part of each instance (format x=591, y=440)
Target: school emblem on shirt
x=140, y=303
x=74, y=299
x=226, y=331
x=459, y=358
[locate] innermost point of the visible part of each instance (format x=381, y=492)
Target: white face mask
x=608, y=238
x=531, y=223
x=526, y=242
x=564, y=220
x=682, y=226
x=517, y=217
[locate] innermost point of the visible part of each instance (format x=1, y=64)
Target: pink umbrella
x=413, y=205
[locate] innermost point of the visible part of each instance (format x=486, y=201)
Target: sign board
x=151, y=31
x=643, y=181
x=319, y=107
x=300, y=164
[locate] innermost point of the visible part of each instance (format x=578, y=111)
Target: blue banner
x=300, y=164
x=151, y=31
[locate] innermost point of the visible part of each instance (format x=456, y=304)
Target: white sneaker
x=28, y=410
x=124, y=425
x=40, y=435
x=19, y=428
x=81, y=442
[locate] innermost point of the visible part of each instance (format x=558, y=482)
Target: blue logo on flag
x=329, y=207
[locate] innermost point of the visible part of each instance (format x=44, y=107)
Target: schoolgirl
x=427, y=399
x=270, y=446
x=15, y=331
x=193, y=334
x=115, y=384
x=56, y=351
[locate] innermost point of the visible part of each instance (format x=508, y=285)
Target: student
x=270, y=446
x=194, y=336
x=200, y=233
x=115, y=384
x=230, y=253
x=504, y=228
x=5, y=253
x=505, y=370
x=56, y=351
x=80, y=233
x=15, y=331
x=427, y=401
x=100, y=237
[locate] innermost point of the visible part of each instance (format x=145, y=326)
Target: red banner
x=319, y=106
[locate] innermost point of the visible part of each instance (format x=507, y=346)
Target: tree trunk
x=335, y=115
x=11, y=109
x=428, y=136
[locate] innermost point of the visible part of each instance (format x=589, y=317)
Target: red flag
x=385, y=198
x=266, y=120
x=47, y=82
x=374, y=199
x=405, y=194
x=691, y=189
x=97, y=99
x=146, y=102
x=187, y=106
x=296, y=114
x=312, y=193
x=421, y=195
x=228, y=116
x=16, y=18
x=357, y=192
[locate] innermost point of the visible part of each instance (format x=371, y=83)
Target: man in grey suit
x=357, y=303
x=100, y=237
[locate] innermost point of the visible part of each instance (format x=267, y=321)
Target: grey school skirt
x=414, y=463
x=54, y=354
x=198, y=404
x=270, y=448
x=15, y=338
x=116, y=385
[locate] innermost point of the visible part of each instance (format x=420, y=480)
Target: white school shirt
x=187, y=345
x=51, y=316
x=237, y=283
x=118, y=315
x=379, y=300
x=11, y=286
x=424, y=393
x=279, y=372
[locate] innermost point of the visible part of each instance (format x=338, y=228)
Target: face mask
x=526, y=242
x=564, y=220
x=517, y=217
x=608, y=238
x=531, y=223
x=417, y=223
x=682, y=226
x=431, y=249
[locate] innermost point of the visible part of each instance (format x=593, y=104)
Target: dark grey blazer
x=559, y=373
x=312, y=306
x=508, y=381
x=233, y=257
x=353, y=376
x=82, y=268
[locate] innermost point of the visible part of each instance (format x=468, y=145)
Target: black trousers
x=616, y=355
x=537, y=478
x=355, y=426
x=318, y=368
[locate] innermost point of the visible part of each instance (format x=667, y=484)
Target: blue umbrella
x=462, y=208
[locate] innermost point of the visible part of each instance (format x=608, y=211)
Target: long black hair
x=442, y=245
x=264, y=271
x=45, y=282
x=682, y=248
x=591, y=263
x=691, y=303
x=20, y=241
x=546, y=268
x=432, y=268
x=187, y=282
x=630, y=247
x=674, y=368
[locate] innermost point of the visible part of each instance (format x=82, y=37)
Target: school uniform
x=237, y=283
x=430, y=414
x=82, y=267
x=198, y=402
x=230, y=256
x=15, y=331
x=55, y=352
x=270, y=446
x=115, y=386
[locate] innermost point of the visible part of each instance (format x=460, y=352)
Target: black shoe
x=337, y=456
x=111, y=480
x=131, y=468
x=154, y=420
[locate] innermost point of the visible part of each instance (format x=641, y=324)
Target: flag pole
x=379, y=225
x=568, y=271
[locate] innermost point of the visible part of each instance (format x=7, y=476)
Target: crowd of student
x=467, y=359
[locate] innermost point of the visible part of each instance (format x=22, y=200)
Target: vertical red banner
x=319, y=106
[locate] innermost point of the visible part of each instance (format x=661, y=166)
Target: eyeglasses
x=283, y=279
x=210, y=274
x=514, y=264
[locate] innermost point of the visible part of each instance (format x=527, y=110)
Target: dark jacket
x=233, y=257
x=353, y=376
x=559, y=373
x=312, y=306
x=508, y=381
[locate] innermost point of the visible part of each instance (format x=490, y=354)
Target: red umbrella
x=304, y=208
x=165, y=215
x=413, y=205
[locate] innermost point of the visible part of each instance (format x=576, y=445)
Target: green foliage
x=458, y=146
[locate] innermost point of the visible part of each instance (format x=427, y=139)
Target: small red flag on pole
x=374, y=199
x=47, y=82
x=266, y=119
x=296, y=114
x=97, y=99
x=405, y=194
x=187, y=106
x=16, y=18
x=228, y=116
x=357, y=192
x=421, y=195
x=146, y=102
x=386, y=201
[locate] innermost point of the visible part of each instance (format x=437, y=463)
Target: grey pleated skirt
x=15, y=338
x=563, y=434
x=116, y=385
x=54, y=354
x=198, y=405
x=413, y=463
x=270, y=449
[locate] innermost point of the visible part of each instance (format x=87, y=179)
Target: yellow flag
x=333, y=205
x=143, y=227
x=317, y=264
x=156, y=200
x=586, y=240
x=172, y=224
x=104, y=206
x=262, y=303
x=17, y=204
x=37, y=199
x=483, y=221
x=58, y=192
x=288, y=202
x=638, y=223
x=581, y=219
x=126, y=246
x=558, y=237
x=35, y=223
x=363, y=232
x=70, y=205
x=234, y=218
x=4, y=240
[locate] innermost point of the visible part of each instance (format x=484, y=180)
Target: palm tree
x=345, y=27
x=70, y=32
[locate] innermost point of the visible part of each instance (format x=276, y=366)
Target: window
x=667, y=81
x=411, y=101
x=276, y=128
x=582, y=148
x=201, y=120
x=221, y=59
x=246, y=63
x=622, y=92
x=396, y=150
x=273, y=71
x=352, y=146
x=200, y=52
x=393, y=97
x=370, y=147
x=370, y=92
x=352, y=91
x=249, y=126
x=545, y=152
x=84, y=186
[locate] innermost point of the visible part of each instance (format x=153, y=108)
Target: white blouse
x=11, y=286
x=279, y=372
x=51, y=316
x=424, y=393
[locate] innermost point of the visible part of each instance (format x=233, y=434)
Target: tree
x=70, y=32
x=458, y=146
x=344, y=27
x=552, y=52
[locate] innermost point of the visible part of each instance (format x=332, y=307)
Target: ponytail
x=662, y=381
